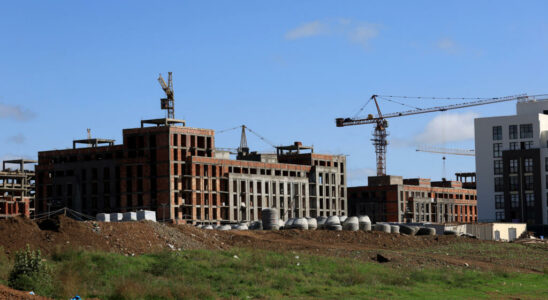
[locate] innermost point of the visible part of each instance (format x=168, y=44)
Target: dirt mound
x=11, y=294
x=129, y=238
x=134, y=238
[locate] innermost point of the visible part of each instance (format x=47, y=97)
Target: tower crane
x=168, y=103
x=380, y=135
x=446, y=151
x=243, y=140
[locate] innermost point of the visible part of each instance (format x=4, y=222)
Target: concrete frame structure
x=394, y=199
x=17, y=189
x=512, y=165
x=175, y=170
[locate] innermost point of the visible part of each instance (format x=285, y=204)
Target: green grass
x=267, y=274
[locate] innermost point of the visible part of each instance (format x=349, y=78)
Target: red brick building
x=176, y=171
x=393, y=199
x=11, y=207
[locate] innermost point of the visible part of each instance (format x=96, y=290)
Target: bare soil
x=135, y=238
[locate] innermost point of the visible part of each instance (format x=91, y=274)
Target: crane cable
x=362, y=108
x=394, y=101
x=261, y=137
x=251, y=131
x=434, y=98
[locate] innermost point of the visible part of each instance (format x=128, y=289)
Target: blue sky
x=286, y=69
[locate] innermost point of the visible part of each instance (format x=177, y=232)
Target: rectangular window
x=499, y=184
x=546, y=164
x=514, y=166
x=497, y=133
x=500, y=215
x=514, y=183
x=498, y=167
x=499, y=201
x=530, y=200
x=514, y=146
x=526, y=145
x=526, y=131
x=497, y=150
x=514, y=200
x=513, y=132
x=528, y=182
x=528, y=165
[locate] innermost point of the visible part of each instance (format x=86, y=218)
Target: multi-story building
x=17, y=189
x=176, y=171
x=512, y=165
x=394, y=199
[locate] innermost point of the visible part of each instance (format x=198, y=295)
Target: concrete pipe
x=333, y=220
x=334, y=227
x=289, y=223
x=382, y=227
x=224, y=228
x=312, y=223
x=351, y=224
x=321, y=220
x=301, y=224
x=408, y=230
x=256, y=225
x=270, y=218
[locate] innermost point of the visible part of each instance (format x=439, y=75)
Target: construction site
x=168, y=188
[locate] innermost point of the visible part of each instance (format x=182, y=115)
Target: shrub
x=30, y=272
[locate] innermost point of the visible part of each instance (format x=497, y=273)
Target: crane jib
x=372, y=120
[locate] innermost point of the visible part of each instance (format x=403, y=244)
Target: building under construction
x=176, y=171
x=394, y=199
x=17, y=189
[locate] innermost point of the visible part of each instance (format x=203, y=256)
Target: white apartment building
x=512, y=165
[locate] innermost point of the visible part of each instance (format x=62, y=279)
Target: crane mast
x=168, y=103
x=380, y=135
x=380, y=140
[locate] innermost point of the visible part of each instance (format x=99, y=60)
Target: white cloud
x=307, y=30
x=356, y=32
x=448, y=128
x=15, y=112
x=447, y=45
x=17, y=139
x=361, y=34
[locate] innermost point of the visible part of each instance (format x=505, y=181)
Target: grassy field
x=248, y=274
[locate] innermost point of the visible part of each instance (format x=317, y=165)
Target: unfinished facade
x=393, y=199
x=17, y=189
x=175, y=170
